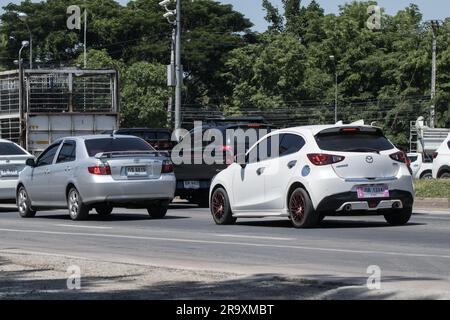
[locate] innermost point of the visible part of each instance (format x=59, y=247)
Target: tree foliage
x=383, y=75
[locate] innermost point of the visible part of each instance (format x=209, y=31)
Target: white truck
x=38, y=106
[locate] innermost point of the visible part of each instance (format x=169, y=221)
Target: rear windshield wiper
x=362, y=150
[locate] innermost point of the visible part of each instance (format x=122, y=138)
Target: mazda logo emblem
x=369, y=159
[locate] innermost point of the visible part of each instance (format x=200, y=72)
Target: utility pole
x=85, y=34
x=176, y=39
x=170, y=77
x=434, y=29
x=179, y=69
x=333, y=58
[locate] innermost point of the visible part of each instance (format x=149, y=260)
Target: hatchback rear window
x=358, y=141
x=94, y=146
x=10, y=149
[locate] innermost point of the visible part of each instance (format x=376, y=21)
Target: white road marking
x=81, y=226
x=252, y=237
x=104, y=235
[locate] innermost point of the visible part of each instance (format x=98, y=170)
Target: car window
x=163, y=135
x=67, y=152
x=10, y=149
x=448, y=144
x=290, y=143
x=359, y=141
x=264, y=150
x=48, y=155
x=94, y=146
x=413, y=158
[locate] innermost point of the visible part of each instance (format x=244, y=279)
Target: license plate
x=374, y=191
x=192, y=184
x=9, y=172
x=136, y=171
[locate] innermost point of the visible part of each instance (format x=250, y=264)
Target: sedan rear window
x=10, y=149
x=94, y=146
x=353, y=141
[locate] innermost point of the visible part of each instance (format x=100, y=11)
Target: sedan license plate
x=192, y=184
x=136, y=171
x=9, y=172
x=372, y=191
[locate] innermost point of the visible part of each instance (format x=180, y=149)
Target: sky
x=252, y=9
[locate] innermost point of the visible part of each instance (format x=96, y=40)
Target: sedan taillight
x=322, y=159
x=101, y=170
x=167, y=166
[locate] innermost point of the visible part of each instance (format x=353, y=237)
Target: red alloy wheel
x=297, y=206
x=218, y=205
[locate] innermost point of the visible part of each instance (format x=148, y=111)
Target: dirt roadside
x=32, y=276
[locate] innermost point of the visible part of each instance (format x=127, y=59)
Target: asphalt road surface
x=414, y=258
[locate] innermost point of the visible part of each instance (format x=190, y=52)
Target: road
x=414, y=258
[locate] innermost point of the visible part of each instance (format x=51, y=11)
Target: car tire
x=77, y=209
x=158, y=210
x=301, y=210
x=445, y=175
x=426, y=175
x=104, y=210
x=220, y=208
x=398, y=217
x=24, y=204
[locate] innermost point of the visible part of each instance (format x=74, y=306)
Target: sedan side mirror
x=30, y=162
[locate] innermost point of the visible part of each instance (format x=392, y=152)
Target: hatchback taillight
x=435, y=154
x=167, y=166
x=322, y=159
x=101, y=170
x=400, y=157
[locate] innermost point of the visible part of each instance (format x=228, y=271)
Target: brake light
x=322, y=159
x=435, y=154
x=350, y=130
x=226, y=148
x=400, y=157
x=253, y=125
x=167, y=166
x=102, y=170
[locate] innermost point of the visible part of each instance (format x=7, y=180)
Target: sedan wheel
x=77, y=209
x=301, y=210
x=24, y=204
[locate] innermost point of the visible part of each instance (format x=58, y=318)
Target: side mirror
x=30, y=162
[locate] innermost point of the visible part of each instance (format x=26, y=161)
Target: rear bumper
x=348, y=203
x=129, y=191
x=8, y=189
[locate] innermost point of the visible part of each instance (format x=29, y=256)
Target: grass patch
x=432, y=188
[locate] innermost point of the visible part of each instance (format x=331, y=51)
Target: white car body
x=441, y=163
x=420, y=167
x=262, y=188
x=12, y=162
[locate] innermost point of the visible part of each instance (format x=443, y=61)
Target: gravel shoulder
x=35, y=276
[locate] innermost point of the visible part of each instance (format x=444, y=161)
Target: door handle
x=260, y=171
x=292, y=164
x=68, y=168
x=47, y=171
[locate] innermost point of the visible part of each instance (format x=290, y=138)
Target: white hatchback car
x=314, y=171
x=441, y=163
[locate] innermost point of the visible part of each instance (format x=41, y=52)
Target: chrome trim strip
x=370, y=180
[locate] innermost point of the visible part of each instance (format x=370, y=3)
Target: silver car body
x=10, y=166
x=47, y=185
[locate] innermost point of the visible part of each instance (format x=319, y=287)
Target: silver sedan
x=100, y=172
